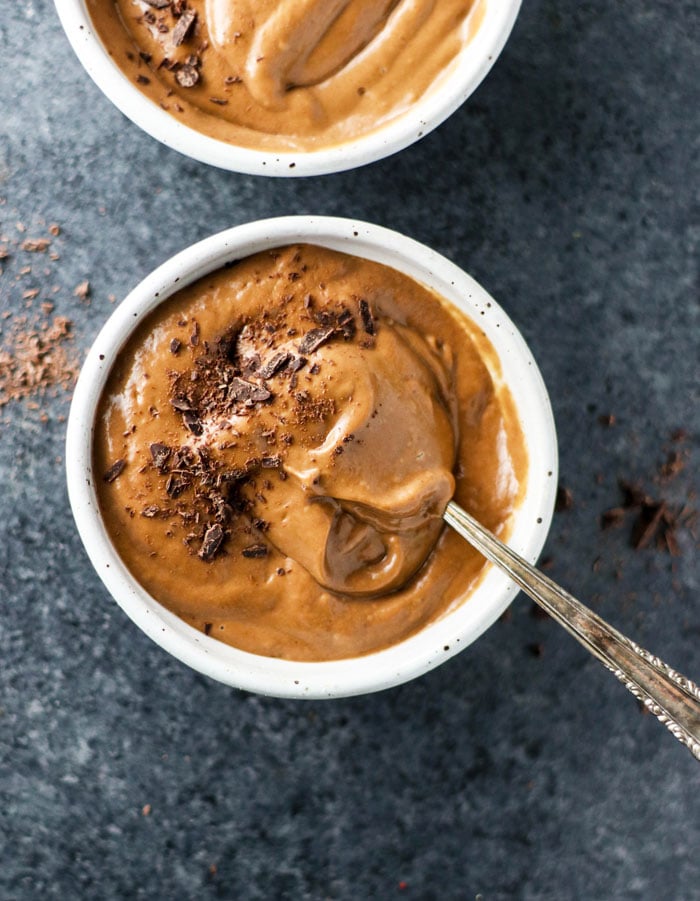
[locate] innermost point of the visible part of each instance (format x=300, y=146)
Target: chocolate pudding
x=276, y=444
x=285, y=74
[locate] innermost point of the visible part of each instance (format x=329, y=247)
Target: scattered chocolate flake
x=607, y=420
x=114, y=471
x=672, y=466
x=565, y=499
x=82, y=291
x=219, y=101
x=612, y=518
x=314, y=338
x=36, y=245
x=633, y=494
x=194, y=337
x=670, y=541
x=184, y=25
x=272, y=462
x=255, y=550
x=366, y=316
x=187, y=76
x=175, y=345
x=207, y=631
x=158, y=4
x=213, y=538
x=647, y=524
x=160, y=454
x=143, y=79
x=151, y=511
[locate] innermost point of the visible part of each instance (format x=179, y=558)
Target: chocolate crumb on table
x=565, y=499
x=33, y=358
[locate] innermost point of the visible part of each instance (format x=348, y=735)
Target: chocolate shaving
x=175, y=345
x=176, y=484
x=160, y=454
x=272, y=462
x=248, y=392
x=192, y=422
x=151, y=511
x=255, y=550
x=187, y=76
x=158, y=4
x=184, y=25
x=181, y=404
x=114, y=471
x=233, y=475
x=313, y=339
x=274, y=364
x=346, y=324
x=213, y=537
x=367, y=318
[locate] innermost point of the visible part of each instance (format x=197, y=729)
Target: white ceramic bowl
x=436, y=642
x=432, y=109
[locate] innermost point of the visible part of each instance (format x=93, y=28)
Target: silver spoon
x=671, y=697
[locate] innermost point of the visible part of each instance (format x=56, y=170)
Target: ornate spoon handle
x=671, y=697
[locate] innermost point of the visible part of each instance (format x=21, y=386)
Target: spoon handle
x=671, y=697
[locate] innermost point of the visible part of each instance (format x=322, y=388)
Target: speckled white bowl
x=433, y=108
x=436, y=642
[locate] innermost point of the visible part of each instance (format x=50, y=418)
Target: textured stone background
x=568, y=185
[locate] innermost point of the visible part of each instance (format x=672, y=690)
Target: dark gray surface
x=568, y=185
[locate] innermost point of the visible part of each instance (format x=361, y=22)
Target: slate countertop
x=568, y=186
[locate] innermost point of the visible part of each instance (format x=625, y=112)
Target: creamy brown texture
x=285, y=74
x=280, y=440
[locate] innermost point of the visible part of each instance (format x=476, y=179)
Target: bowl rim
x=437, y=641
x=425, y=115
